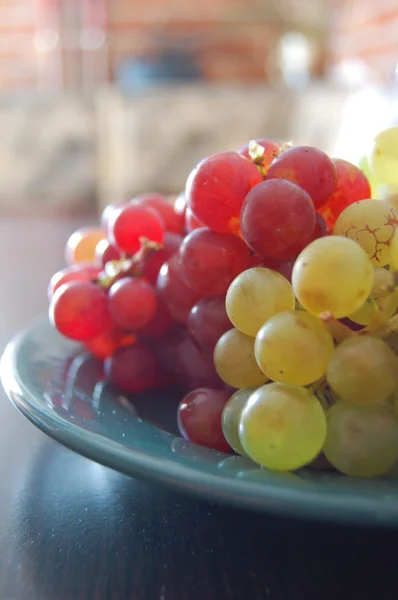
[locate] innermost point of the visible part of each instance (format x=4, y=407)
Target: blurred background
x=103, y=99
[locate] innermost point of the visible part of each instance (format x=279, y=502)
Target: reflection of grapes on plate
x=266, y=292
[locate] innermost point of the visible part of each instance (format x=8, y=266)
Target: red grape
x=352, y=186
x=80, y=247
x=105, y=345
x=154, y=262
x=131, y=223
x=79, y=310
x=79, y=272
x=271, y=151
x=133, y=369
x=107, y=214
x=199, y=418
x=132, y=303
x=194, y=368
x=191, y=222
x=309, y=168
x=161, y=322
x=207, y=321
x=174, y=292
x=180, y=204
x=210, y=261
x=105, y=252
x=173, y=221
x=217, y=187
x=167, y=347
x=277, y=219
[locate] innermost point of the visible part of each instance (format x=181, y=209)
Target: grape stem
x=128, y=266
x=337, y=330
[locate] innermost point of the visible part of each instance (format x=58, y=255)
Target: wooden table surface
x=73, y=530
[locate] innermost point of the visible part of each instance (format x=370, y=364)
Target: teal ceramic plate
x=59, y=389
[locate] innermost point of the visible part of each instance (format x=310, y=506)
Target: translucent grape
x=105, y=252
x=217, y=187
x=173, y=221
x=283, y=427
x=133, y=369
x=199, y=418
x=352, y=185
x=231, y=417
x=78, y=272
x=386, y=305
x=277, y=219
x=80, y=247
x=207, y=322
x=362, y=441
x=309, y=168
x=132, y=222
x=394, y=250
x=79, y=310
x=363, y=370
x=255, y=296
x=173, y=291
x=333, y=274
x=106, y=344
x=160, y=323
x=383, y=158
x=235, y=361
x=210, y=261
x=132, y=303
x=293, y=347
x=371, y=224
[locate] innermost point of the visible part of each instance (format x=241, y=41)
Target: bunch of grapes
x=266, y=291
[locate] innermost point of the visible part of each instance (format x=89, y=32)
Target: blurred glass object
x=295, y=58
x=351, y=73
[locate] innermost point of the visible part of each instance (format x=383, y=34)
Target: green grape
x=394, y=250
x=363, y=370
x=374, y=184
x=389, y=194
x=293, y=347
x=231, y=418
x=333, y=274
x=283, y=427
x=383, y=158
x=235, y=362
x=255, y=296
x=378, y=304
x=362, y=441
x=370, y=223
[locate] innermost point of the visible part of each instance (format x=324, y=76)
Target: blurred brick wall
x=366, y=30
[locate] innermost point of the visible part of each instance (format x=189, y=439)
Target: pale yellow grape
x=383, y=158
x=389, y=194
x=294, y=347
x=333, y=274
x=386, y=305
x=362, y=441
x=374, y=184
x=235, y=362
x=394, y=250
x=231, y=416
x=255, y=296
x=371, y=224
x=283, y=427
x=363, y=370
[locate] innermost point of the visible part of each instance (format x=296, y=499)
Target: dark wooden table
x=73, y=530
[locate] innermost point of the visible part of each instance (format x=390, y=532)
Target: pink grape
x=129, y=224
x=173, y=290
x=210, y=261
x=207, y=322
x=133, y=369
x=277, y=219
x=132, y=303
x=174, y=222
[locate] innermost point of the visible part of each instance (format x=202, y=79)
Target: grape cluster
x=266, y=291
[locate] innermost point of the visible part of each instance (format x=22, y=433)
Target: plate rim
x=269, y=498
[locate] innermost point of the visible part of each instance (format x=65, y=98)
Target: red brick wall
x=366, y=30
